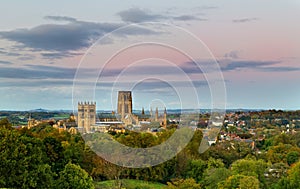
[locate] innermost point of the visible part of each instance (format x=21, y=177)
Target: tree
x=283, y=183
x=294, y=175
x=296, y=137
x=73, y=177
x=283, y=139
x=292, y=157
x=275, y=172
x=215, y=163
x=21, y=162
x=196, y=169
x=73, y=151
x=240, y=181
x=213, y=176
x=54, y=151
x=249, y=167
x=279, y=153
x=229, y=151
x=183, y=184
x=249, y=182
x=4, y=123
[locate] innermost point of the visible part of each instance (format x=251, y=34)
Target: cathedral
x=89, y=121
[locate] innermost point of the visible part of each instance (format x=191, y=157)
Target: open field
x=129, y=184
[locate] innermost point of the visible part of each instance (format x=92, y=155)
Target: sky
x=174, y=54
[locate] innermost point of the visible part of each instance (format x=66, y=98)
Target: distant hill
x=39, y=110
x=45, y=110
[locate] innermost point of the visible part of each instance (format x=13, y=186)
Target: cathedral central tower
x=124, y=103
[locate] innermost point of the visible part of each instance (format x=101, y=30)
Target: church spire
x=143, y=111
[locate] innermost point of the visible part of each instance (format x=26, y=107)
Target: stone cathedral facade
x=87, y=116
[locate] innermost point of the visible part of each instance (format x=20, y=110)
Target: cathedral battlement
x=86, y=103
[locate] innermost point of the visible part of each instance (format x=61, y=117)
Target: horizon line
x=171, y=109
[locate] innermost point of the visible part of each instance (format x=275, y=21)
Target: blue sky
x=256, y=44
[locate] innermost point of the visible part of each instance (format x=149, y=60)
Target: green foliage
x=292, y=157
x=214, y=176
x=294, y=176
x=160, y=173
x=292, y=181
x=73, y=150
x=192, y=148
x=229, y=151
x=240, y=181
x=296, y=137
x=214, y=163
x=73, y=177
x=249, y=167
x=129, y=184
x=4, y=123
x=43, y=130
x=37, y=157
x=183, y=184
x=282, y=139
x=275, y=172
x=138, y=140
x=21, y=162
x=279, y=153
x=283, y=183
x=54, y=151
x=196, y=169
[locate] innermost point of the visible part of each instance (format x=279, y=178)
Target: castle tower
x=124, y=103
x=86, y=115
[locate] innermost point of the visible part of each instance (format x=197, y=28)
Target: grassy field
x=61, y=116
x=129, y=184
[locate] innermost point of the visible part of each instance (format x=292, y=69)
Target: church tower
x=165, y=118
x=30, y=122
x=156, y=114
x=143, y=111
x=124, y=103
x=86, y=116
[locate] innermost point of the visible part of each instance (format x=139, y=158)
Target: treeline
x=43, y=157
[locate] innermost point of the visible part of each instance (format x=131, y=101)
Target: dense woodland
x=43, y=157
